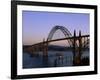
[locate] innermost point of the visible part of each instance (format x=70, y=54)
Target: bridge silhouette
x=77, y=43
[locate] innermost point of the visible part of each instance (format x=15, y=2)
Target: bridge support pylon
x=79, y=52
x=45, y=48
x=74, y=47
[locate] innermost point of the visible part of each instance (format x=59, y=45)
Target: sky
x=37, y=25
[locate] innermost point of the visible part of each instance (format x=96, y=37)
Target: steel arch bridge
x=68, y=36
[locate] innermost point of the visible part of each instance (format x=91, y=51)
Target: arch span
x=64, y=30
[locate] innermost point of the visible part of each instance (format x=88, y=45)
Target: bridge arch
x=64, y=30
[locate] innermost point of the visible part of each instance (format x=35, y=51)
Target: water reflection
x=54, y=59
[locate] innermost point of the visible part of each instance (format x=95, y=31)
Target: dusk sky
x=37, y=25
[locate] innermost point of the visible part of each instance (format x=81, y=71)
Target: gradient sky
x=37, y=25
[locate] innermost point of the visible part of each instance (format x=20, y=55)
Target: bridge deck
x=61, y=39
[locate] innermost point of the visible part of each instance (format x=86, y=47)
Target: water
x=54, y=59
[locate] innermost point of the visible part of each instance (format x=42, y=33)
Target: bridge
x=77, y=43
